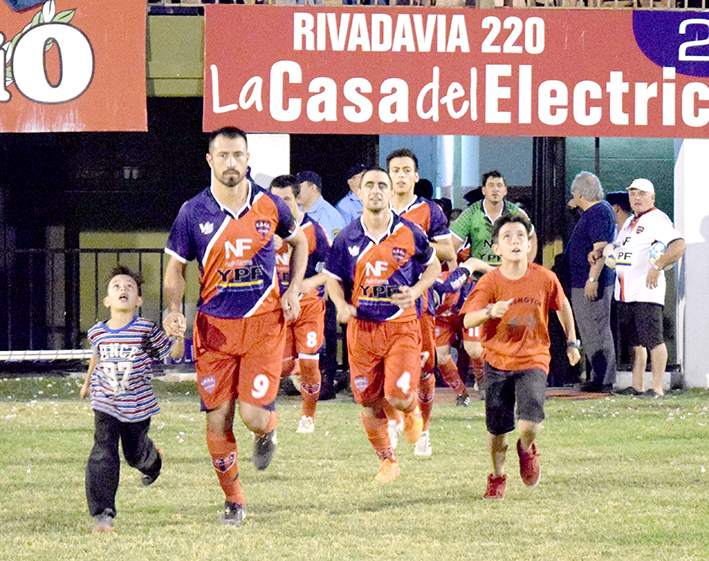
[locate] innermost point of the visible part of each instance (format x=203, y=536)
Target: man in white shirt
x=640, y=283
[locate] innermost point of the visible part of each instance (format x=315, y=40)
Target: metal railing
x=50, y=297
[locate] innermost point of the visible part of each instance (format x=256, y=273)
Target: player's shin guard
x=427, y=388
x=376, y=429
x=222, y=449
x=449, y=373
x=310, y=379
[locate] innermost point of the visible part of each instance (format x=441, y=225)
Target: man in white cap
x=640, y=284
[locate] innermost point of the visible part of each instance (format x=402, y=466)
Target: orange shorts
x=384, y=358
x=239, y=358
x=448, y=329
x=471, y=334
x=428, y=343
x=304, y=335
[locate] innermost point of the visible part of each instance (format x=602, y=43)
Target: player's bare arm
x=311, y=283
x=475, y=264
x=178, y=345
x=456, y=242
x=491, y=311
x=174, y=289
x=444, y=249
x=675, y=250
x=86, y=388
x=566, y=318
x=298, y=263
x=345, y=310
x=407, y=295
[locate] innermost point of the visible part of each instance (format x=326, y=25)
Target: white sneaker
x=423, y=446
x=395, y=430
x=306, y=425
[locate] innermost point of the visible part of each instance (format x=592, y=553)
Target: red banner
x=371, y=70
x=73, y=65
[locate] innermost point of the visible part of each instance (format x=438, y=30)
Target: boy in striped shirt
x=122, y=398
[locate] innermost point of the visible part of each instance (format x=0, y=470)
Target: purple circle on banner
x=674, y=39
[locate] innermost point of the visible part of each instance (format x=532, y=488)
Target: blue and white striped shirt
x=121, y=382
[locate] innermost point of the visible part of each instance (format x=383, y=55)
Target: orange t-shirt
x=519, y=340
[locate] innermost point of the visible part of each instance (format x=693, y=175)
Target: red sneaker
x=529, y=468
x=496, y=486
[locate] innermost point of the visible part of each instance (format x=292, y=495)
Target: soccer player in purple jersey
x=239, y=335
x=122, y=398
x=379, y=266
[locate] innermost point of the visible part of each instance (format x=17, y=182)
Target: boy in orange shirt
x=512, y=304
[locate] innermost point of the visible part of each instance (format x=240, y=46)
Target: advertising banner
x=73, y=65
x=375, y=70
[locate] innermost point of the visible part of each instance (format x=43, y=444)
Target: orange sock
x=449, y=373
x=376, y=429
x=478, y=366
x=310, y=379
x=391, y=413
x=222, y=449
x=427, y=388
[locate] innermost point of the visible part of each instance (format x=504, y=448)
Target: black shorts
x=502, y=388
x=641, y=323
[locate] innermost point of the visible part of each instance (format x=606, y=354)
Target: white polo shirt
x=633, y=259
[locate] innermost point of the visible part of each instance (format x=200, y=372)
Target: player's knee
x=474, y=349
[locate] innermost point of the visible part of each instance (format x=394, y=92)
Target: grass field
x=622, y=479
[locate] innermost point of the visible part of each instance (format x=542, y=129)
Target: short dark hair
x=492, y=173
x=403, y=153
x=424, y=188
x=510, y=219
x=620, y=198
x=229, y=132
x=377, y=168
x=119, y=269
x=285, y=181
x=310, y=177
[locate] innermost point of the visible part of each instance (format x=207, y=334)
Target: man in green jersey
x=474, y=227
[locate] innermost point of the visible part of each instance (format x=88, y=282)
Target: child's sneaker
x=234, y=514
x=388, y=471
x=395, y=429
x=413, y=425
x=104, y=522
x=423, y=446
x=529, y=468
x=305, y=425
x=496, y=486
x=146, y=479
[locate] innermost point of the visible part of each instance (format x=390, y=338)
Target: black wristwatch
x=574, y=344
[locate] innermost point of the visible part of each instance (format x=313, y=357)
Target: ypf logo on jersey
x=263, y=227
x=399, y=254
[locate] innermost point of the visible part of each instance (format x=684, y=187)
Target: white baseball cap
x=642, y=185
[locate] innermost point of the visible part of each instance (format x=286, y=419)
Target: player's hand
x=500, y=308
x=591, y=290
x=85, y=390
x=277, y=242
x=174, y=324
x=290, y=303
x=573, y=354
x=594, y=256
x=653, y=276
x=405, y=298
x=346, y=313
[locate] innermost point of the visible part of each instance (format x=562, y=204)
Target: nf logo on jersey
x=378, y=269
x=399, y=254
x=237, y=248
x=263, y=227
x=207, y=228
x=354, y=250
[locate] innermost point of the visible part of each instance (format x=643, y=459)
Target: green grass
x=622, y=479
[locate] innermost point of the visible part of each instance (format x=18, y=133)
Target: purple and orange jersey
x=236, y=253
x=451, y=289
x=431, y=219
x=372, y=270
x=318, y=249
